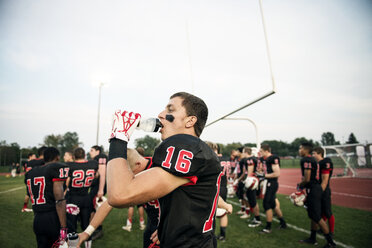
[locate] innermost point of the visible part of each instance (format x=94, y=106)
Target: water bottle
x=149, y=124
x=73, y=240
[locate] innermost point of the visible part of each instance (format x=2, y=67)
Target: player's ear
x=191, y=120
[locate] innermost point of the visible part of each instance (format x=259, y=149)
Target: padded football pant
x=223, y=192
x=83, y=216
x=313, y=202
x=240, y=190
x=251, y=195
x=326, y=203
x=46, y=228
x=270, y=195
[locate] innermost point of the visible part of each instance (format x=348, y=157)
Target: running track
x=346, y=192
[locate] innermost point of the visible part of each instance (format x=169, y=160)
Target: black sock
x=313, y=235
x=282, y=221
x=257, y=218
x=328, y=238
x=268, y=225
x=223, y=231
x=118, y=149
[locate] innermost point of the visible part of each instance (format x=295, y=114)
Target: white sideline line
x=10, y=190
x=298, y=228
x=333, y=193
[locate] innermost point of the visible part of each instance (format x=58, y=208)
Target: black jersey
x=252, y=161
x=82, y=175
x=101, y=160
x=39, y=183
x=34, y=163
x=187, y=213
x=325, y=167
x=225, y=164
x=241, y=166
x=309, y=163
x=267, y=165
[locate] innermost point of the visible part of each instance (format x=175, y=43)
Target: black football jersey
x=82, y=175
x=225, y=164
x=252, y=161
x=267, y=165
x=187, y=213
x=242, y=165
x=325, y=167
x=309, y=163
x=34, y=163
x=39, y=183
x=101, y=159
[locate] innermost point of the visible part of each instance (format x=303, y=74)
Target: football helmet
x=100, y=201
x=220, y=212
x=298, y=198
x=72, y=209
x=251, y=183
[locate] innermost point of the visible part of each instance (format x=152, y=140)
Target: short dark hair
x=30, y=154
x=266, y=147
x=41, y=150
x=194, y=107
x=141, y=151
x=50, y=154
x=247, y=150
x=79, y=153
x=319, y=150
x=97, y=148
x=307, y=146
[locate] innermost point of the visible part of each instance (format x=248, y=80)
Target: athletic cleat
x=254, y=223
x=240, y=212
x=127, y=228
x=265, y=231
x=245, y=216
x=309, y=241
x=283, y=226
x=142, y=226
x=27, y=210
x=221, y=238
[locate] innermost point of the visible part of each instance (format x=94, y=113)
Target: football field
x=352, y=226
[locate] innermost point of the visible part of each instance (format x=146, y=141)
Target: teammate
x=98, y=187
x=314, y=195
x=251, y=194
x=45, y=187
x=325, y=174
x=68, y=157
x=185, y=176
x=242, y=174
x=271, y=168
x=81, y=175
x=33, y=162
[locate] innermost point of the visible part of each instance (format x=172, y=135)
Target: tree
x=352, y=139
x=148, y=143
x=225, y=150
x=67, y=142
x=328, y=139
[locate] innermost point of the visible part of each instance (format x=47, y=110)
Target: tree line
x=12, y=152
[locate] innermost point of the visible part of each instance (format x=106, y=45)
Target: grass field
x=352, y=226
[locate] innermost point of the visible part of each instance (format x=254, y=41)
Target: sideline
x=10, y=190
x=297, y=228
x=333, y=193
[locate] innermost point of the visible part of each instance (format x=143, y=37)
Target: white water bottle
x=73, y=240
x=149, y=124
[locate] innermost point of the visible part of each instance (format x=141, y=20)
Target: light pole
x=99, y=109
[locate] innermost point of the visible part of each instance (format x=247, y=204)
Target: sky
x=54, y=53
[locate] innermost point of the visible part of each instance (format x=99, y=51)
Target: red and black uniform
x=102, y=160
x=326, y=167
x=252, y=193
x=272, y=183
x=81, y=176
x=32, y=164
x=152, y=211
x=39, y=183
x=187, y=213
x=225, y=164
x=313, y=189
x=240, y=170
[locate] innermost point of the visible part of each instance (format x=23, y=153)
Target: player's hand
x=100, y=194
x=124, y=124
x=154, y=237
x=229, y=208
x=299, y=187
x=83, y=236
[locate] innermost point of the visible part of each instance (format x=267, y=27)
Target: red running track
x=346, y=192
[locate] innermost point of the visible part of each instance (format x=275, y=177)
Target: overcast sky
x=53, y=52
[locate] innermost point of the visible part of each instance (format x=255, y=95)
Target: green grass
x=351, y=225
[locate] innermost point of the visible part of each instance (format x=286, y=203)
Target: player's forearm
x=119, y=176
x=102, y=177
x=61, y=212
x=100, y=215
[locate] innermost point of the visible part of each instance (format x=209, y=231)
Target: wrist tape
x=118, y=149
x=89, y=230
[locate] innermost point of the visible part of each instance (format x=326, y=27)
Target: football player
x=98, y=187
x=81, y=175
x=32, y=162
x=271, y=168
x=252, y=193
x=45, y=187
x=185, y=177
x=68, y=157
x=314, y=194
x=325, y=174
